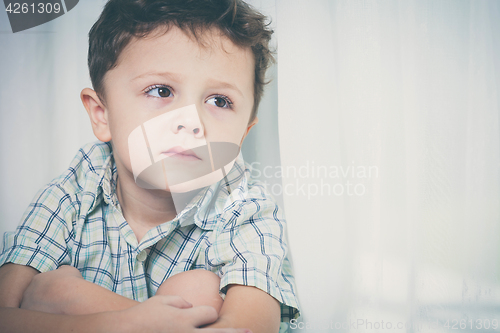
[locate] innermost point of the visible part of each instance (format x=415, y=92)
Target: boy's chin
x=154, y=178
x=183, y=192
x=201, y=182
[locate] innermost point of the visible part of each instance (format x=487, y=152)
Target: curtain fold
x=408, y=90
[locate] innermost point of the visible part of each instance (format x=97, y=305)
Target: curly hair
x=121, y=20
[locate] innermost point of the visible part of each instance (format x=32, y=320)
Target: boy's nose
x=190, y=124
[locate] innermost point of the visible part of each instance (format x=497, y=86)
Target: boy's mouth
x=181, y=153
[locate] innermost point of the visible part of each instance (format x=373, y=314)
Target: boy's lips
x=181, y=153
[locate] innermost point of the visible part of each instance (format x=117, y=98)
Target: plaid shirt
x=76, y=220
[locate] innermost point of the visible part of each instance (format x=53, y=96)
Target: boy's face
x=179, y=92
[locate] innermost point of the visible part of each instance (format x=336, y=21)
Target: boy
x=112, y=230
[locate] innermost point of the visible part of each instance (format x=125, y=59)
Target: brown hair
x=122, y=20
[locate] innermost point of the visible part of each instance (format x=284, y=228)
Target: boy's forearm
x=14, y=279
x=61, y=293
x=20, y=320
x=89, y=298
x=82, y=297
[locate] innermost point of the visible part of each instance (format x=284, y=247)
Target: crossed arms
x=62, y=301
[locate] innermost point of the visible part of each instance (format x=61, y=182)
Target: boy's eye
x=220, y=101
x=159, y=91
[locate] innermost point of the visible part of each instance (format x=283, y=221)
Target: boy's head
x=122, y=20
x=177, y=85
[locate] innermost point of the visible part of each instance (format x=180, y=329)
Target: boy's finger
x=175, y=301
x=202, y=315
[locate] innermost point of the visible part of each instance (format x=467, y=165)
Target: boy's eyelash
x=156, y=86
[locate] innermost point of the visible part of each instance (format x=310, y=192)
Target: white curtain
x=388, y=161
x=42, y=120
x=391, y=111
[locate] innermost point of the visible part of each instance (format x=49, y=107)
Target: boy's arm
x=64, y=291
x=254, y=267
x=246, y=306
x=14, y=279
x=158, y=314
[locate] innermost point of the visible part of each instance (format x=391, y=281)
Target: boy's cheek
x=231, y=131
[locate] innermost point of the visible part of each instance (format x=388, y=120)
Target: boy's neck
x=144, y=209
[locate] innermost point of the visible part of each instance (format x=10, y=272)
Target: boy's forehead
x=204, y=43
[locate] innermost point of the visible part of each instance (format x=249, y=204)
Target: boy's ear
x=97, y=113
x=252, y=124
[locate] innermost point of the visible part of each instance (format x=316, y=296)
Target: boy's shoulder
x=248, y=192
x=255, y=187
x=87, y=170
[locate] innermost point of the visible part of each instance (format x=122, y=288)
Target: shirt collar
x=108, y=181
x=207, y=205
x=219, y=196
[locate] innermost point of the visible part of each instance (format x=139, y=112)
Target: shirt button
x=142, y=256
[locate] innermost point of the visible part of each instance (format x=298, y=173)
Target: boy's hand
x=171, y=314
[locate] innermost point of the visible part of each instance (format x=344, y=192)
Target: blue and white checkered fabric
x=76, y=220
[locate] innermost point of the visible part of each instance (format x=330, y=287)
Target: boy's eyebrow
x=222, y=84
x=168, y=75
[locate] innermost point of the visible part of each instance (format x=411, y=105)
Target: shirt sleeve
x=250, y=248
x=41, y=239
